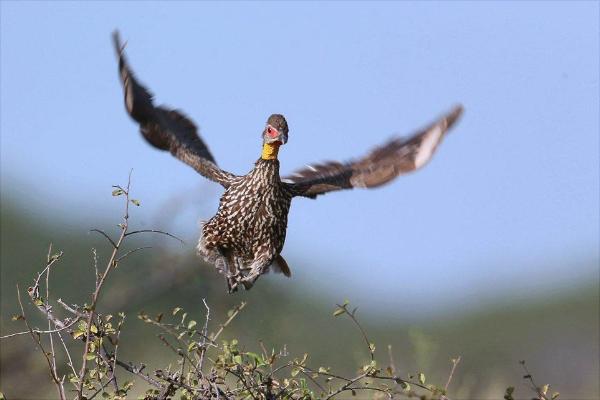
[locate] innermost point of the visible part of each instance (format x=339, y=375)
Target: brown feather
x=164, y=128
x=383, y=164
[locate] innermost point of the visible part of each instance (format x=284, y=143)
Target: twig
x=111, y=263
x=241, y=379
x=203, y=347
x=131, y=252
x=70, y=363
x=529, y=377
x=105, y=235
x=328, y=374
x=397, y=379
x=70, y=309
x=347, y=385
x=389, y=395
x=36, y=284
x=179, y=352
x=455, y=362
x=309, y=376
x=70, y=324
x=155, y=231
x=37, y=340
x=60, y=385
x=138, y=371
x=114, y=367
x=392, y=362
x=236, y=311
x=362, y=331
x=96, y=274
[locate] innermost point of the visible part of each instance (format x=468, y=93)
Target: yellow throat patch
x=270, y=150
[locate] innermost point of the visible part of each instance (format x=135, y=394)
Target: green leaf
x=176, y=310
x=191, y=324
x=421, y=378
x=338, y=312
x=94, y=329
x=555, y=395
x=544, y=389
x=135, y=202
x=372, y=347
x=117, y=192
x=322, y=370
x=237, y=359
x=77, y=334
x=90, y=357
x=16, y=318
x=404, y=385
x=258, y=359
x=295, y=371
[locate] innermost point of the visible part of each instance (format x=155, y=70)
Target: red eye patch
x=272, y=131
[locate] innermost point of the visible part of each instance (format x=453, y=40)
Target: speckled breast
x=252, y=215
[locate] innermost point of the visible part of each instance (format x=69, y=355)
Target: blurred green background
x=557, y=333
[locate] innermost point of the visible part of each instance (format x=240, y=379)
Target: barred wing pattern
x=384, y=163
x=167, y=129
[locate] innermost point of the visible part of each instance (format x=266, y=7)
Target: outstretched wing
x=164, y=128
x=384, y=163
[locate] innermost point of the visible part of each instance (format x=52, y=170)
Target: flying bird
x=246, y=236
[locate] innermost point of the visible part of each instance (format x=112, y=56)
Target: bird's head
x=274, y=135
x=276, y=130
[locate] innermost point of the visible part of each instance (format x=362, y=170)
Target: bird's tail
x=281, y=266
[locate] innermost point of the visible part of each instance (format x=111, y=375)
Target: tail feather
x=280, y=265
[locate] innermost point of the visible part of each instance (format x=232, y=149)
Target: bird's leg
x=257, y=268
x=226, y=264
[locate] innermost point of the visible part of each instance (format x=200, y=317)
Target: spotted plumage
x=246, y=236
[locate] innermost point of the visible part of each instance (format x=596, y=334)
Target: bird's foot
x=233, y=281
x=249, y=280
x=221, y=265
x=252, y=276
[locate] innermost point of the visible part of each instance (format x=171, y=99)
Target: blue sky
x=509, y=201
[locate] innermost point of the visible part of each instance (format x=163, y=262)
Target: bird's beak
x=283, y=138
x=272, y=135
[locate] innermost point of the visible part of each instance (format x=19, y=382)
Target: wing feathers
x=164, y=128
x=384, y=163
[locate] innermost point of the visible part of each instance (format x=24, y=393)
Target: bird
x=245, y=238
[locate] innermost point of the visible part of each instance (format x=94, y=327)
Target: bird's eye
x=269, y=130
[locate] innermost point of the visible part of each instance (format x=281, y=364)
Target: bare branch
x=138, y=371
x=131, y=252
x=36, y=338
x=455, y=362
x=37, y=331
x=236, y=311
x=155, y=231
x=60, y=386
x=111, y=264
x=113, y=244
